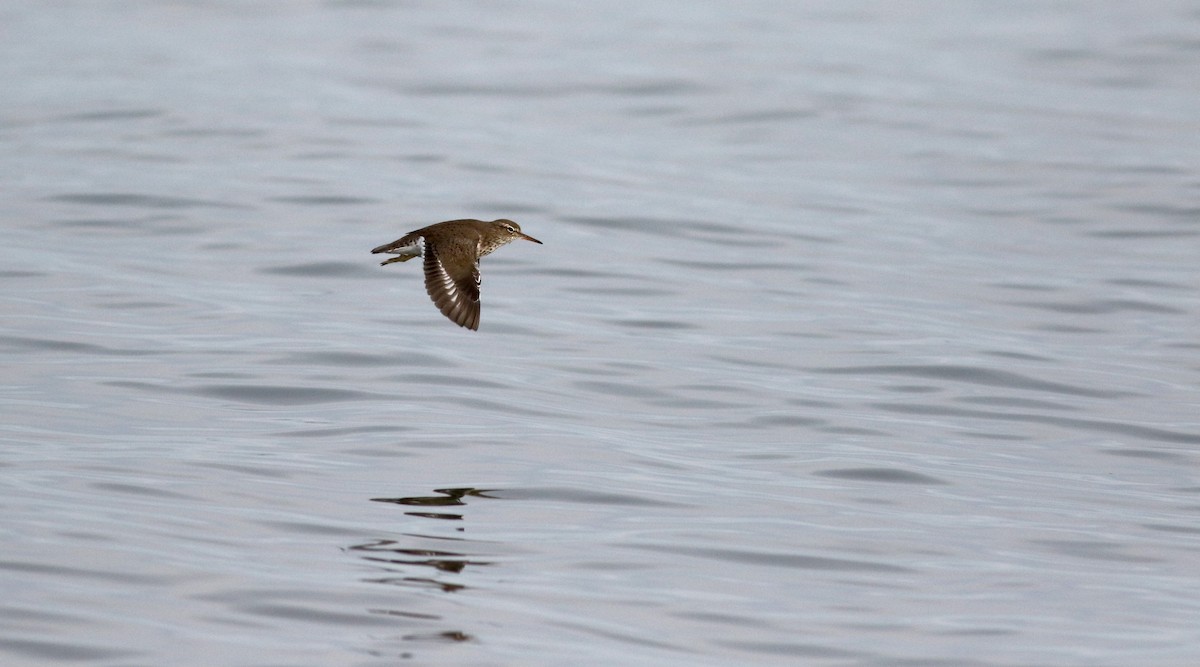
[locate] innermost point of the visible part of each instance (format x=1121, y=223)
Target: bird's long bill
x=529, y=238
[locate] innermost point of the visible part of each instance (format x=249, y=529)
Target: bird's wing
x=452, y=280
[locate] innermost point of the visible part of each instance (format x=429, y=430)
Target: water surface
x=861, y=334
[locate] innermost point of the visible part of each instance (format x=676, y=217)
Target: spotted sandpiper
x=452, y=252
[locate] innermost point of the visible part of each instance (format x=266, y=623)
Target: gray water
x=863, y=334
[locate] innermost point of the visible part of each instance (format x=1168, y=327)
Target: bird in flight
x=452, y=250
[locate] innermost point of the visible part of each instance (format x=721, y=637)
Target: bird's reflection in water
x=407, y=562
x=449, y=498
x=389, y=552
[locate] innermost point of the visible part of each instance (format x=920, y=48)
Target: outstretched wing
x=452, y=280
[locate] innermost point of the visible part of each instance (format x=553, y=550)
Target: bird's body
x=452, y=250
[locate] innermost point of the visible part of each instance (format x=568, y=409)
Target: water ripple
x=888, y=475
x=62, y=649
x=743, y=557
x=320, y=270
x=255, y=393
x=139, y=200
x=574, y=495
x=325, y=200
x=975, y=375
x=1103, y=426
x=54, y=345
x=1101, y=307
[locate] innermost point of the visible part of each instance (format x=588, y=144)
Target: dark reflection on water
x=447, y=636
x=445, y=561
x=401, y=564
x=447, y=497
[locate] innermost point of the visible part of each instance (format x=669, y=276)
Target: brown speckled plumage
x=452, y=252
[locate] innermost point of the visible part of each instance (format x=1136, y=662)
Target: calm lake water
x=863, y=334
